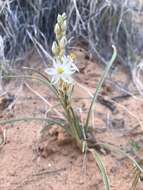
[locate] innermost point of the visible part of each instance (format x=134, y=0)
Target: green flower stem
x=71, y=121
x=76, y=124
x=70, y=117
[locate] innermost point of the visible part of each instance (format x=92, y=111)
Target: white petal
x=55, y=63
x=50, y=71
x=67, y=79
x=55, y=79
x=75, y=67
x=69, y=72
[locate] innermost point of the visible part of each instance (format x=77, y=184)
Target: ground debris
x=5, y=100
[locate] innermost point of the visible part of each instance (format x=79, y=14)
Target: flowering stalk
x=61, y=76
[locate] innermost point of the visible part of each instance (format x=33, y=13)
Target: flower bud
x=55, y=48
x=64, y=26
x=58, y=37
x=62, y=51
x=59, y=19
x=63, y=42
x=72, y=56
x=57, y=29
x=64, y=16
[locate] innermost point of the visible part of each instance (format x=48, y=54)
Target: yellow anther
x=60, y=70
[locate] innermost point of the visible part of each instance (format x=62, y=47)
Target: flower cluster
x=63, y=65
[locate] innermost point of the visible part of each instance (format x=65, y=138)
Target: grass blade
x=101, y=168
x=27, y=119
x=100, y=84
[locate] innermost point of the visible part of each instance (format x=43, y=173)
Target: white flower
x=62, y=70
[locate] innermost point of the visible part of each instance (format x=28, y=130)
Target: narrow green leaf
x=100, y=84
x=114, y=148
x=101, y=168
x=27, y=119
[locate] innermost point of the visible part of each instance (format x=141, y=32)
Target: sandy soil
x=31, y=161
